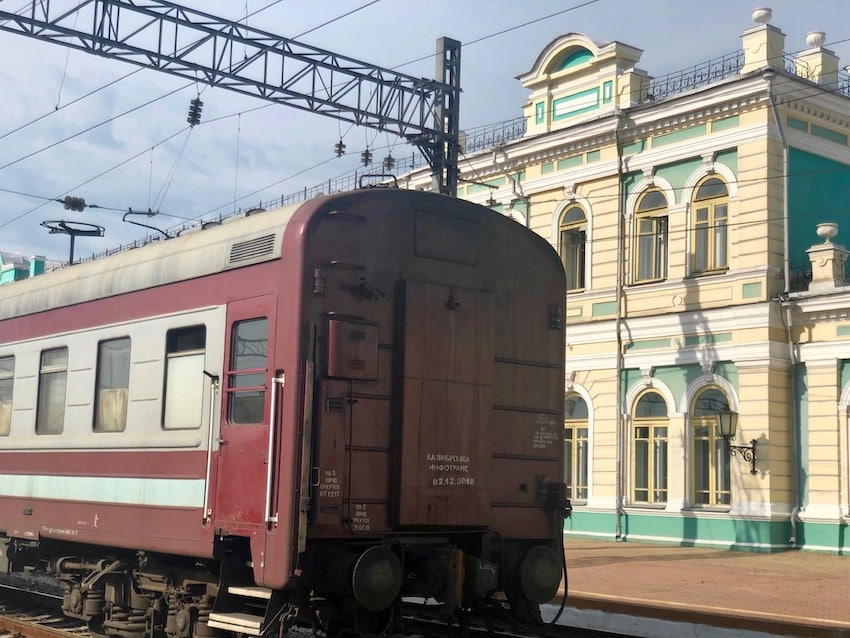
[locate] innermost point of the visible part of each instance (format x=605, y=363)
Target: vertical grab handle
x=276, y=381
x=211, y=422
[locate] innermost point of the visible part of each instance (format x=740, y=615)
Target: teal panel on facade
x=634, y=147
x=706, y=340
x=728, y=371
x=604, y=308
x=751, y=290
x=520, y=205
x=725, y=124
x=593, y=156
x=824, y=537
x=728, y=158
x=688, y=529
x=842, y=331
x=818, y=191
x=548, y=167
x=607, y=91
x=829, y=134
x=679, y=136
x=575, y=58
x=800, y=125
x=590, y=523
x=570, y=162
x=575, y=104
x=477, y=188
x=678, y=378
x=844, y=371
x=649, y=344
x=628, y=378
x=678, y=173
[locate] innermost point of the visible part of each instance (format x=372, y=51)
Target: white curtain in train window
x=711, y=475
x=52, y=388
x=649, y=447
x=184, y=378
x=113, y=382
x=7, y=379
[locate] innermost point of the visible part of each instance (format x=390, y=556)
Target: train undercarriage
x=343, y=587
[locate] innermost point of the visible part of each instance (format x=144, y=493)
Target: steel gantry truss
x=191, y=44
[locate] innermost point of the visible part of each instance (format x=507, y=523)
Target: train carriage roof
x=237, y=241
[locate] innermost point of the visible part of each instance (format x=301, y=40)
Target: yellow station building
x=699, y=217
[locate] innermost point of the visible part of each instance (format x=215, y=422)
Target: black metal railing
x=694, y=77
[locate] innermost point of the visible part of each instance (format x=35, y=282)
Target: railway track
x=33, y=614
x=29, y=614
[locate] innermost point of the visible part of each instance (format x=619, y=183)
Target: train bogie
x=301, y=416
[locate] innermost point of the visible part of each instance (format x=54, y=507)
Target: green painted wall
x=818, y=191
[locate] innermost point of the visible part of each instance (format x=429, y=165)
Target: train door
x=246, y=457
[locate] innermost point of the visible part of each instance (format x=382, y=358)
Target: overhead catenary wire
x=470, y=43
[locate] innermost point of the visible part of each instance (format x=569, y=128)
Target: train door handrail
x=281, y=381
x=207, y=513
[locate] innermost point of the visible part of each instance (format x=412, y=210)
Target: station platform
x=735, y=593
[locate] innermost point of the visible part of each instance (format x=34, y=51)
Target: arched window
x=651, y=237
x=575, y=447
x=711, y=478
x=709, y=250
x=573, y=238
x=649, y=448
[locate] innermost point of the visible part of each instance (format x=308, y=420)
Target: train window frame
x=182, y=395
x=111, y=387
x=7, y=393
x=52, y=380
x=239, y=396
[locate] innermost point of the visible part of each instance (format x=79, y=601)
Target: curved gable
x=571, y=58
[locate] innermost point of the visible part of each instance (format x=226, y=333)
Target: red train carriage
x=301, y=415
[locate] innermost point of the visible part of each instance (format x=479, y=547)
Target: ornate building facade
x=692, y=216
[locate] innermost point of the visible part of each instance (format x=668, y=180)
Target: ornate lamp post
x=727, y=426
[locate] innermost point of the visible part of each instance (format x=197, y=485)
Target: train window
x=52, y=386
x=184, y=378
x=7, y=378
x=112, y=387
x=247, y=375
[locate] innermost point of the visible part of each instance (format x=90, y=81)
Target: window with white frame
x=112, y=385
x=575, y=446
x=52, y=389
x=650, y=259
x=7, y=382
x=573, y=241
x=649, y=449
x=710, y=219
x=710, y=453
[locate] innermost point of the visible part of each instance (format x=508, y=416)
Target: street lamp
x=727, y=425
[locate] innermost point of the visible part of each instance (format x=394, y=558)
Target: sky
x=81, y=125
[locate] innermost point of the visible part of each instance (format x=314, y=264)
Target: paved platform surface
x=794, y=592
